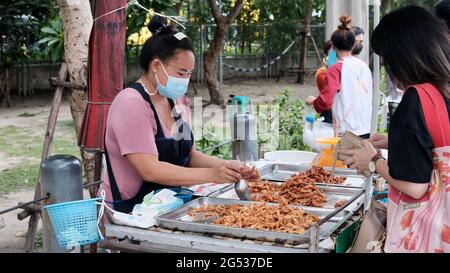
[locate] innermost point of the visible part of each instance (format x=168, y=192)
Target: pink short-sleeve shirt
x=131, y=128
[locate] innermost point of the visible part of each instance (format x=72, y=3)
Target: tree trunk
x=384, y=7
x=2, y=85
x=304, y=48
x=243, y=40
x=177, y=8
x=7, y=90
x=5, y=87
x=77, y=21
x=212, y=53
x=210, y=64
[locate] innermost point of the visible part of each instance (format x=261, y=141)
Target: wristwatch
x=373, y=162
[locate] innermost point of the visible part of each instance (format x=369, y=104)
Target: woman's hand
x=379, y=141
x=227, y=172
x=360, y=157
x=250, y=173
x=310, y=100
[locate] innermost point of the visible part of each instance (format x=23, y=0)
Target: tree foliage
x=20, y=22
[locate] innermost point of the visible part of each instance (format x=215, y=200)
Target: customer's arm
x=413, y=189
x=324, y=101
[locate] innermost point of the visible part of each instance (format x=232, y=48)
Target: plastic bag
x=315, y=129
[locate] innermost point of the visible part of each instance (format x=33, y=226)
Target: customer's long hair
x=414, y=47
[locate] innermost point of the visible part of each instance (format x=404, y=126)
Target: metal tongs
x=242, y=190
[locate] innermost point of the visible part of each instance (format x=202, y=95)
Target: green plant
x=39, y=239
x=210, y=139
x=291, y=117
x=52, y=35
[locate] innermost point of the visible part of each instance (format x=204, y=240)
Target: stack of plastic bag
x=143, y=215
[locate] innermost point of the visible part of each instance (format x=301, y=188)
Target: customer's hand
x=360, y=158
x=310, y=100
x=227, y=172
x=379, y=141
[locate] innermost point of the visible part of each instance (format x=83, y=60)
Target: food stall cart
x=176, y=233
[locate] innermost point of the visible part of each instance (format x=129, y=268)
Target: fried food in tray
x=261, y=216
x=340, y=203
x=298, y=190
x=319, y=174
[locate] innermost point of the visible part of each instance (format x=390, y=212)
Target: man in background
x=359, y=37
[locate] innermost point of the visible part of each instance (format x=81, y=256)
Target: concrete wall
x=36, y=75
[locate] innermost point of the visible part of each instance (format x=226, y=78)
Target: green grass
x=26, y=115
x=17, y=178
x=26, y=144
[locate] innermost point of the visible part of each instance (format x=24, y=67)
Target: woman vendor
x=149, y=144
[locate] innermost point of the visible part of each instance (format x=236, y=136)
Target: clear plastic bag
x=315, y=129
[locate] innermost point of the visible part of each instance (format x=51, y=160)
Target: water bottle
x=308, y=137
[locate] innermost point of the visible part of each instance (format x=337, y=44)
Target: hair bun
x=345, y=22
x=158, y=25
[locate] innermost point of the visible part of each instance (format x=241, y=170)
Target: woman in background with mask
x=359, y=37
x=149, y=144
x=321, y=74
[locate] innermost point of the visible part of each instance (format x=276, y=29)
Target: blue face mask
x=175, y=87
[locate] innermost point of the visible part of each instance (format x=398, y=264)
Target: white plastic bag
x=315, y=129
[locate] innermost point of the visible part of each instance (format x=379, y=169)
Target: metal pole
x=22, y=205
x=376, y=74
x=368, y=192
x=61, y=178
x=314, y=239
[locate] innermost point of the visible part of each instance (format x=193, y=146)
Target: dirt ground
x=12, y=231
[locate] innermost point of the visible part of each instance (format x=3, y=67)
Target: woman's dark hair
x=414, y=46
x=442, y=10
x=357, y=31
x=326, y=47
x=344, y=38
x=162, y=44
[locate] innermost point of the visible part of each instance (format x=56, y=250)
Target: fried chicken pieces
x=318, y=174
x=297, y=190
x=300, y=189
x=279, y=218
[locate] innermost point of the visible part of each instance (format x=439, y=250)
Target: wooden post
x=34, y=218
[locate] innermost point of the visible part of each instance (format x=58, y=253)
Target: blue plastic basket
x=75, y=223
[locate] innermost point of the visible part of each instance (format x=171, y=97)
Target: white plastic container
x=290, y=157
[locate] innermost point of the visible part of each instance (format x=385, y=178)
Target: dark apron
x=173, y=150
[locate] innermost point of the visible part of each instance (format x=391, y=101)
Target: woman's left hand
x=360, y=157
x=310, y=100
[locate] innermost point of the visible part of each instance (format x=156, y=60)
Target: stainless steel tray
x=179, y=219
x=333, y=194
x=281, y=172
